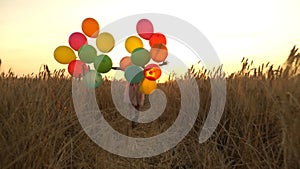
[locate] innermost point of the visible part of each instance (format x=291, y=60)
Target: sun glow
x=261, y=30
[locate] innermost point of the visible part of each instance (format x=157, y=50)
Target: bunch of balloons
x=136, y=66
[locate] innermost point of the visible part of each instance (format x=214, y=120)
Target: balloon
x=92, y=79
x=64, y=54
x=103, y=63
x=144, y=28
x=132, y=43
x=77, y=68
x=148, y=86
x=105, y=42
x=125, y=62
x=90, y=27
x=87, y=53
x=140, y=57
x=158, y=52
x=152, y=72
x=157, y=38
x=134, y=74
x=76, y=40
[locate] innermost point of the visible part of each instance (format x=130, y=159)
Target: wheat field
x=259, y=128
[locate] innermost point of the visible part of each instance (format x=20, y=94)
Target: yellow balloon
x=132, y=43
x=105, y=42
x=64, y=54
x=148, y=86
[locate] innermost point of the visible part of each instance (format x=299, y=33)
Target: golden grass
x=259, y=128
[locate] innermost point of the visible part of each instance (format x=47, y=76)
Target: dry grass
x=259, y=128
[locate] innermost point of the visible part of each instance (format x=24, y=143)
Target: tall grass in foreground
x=259, y=128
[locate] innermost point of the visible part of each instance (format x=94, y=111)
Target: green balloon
x=134, y=74
x=102, y=63
x=92, y=79
x=87, y=53
x=140, y=56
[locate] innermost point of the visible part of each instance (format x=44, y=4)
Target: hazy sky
x=262, y=30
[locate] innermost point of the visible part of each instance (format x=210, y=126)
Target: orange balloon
x=159, y=52
x=125, y=62
x=148, y=86
x=90, y=27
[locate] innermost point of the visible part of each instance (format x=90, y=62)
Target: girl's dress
x=133, y=95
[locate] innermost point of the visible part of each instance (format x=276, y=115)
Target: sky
x=261, y=30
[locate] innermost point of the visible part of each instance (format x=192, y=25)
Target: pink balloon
x=144, y=28
x=76, y=40
x=125, y=62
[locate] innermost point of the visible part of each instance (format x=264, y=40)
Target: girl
x=134, y=96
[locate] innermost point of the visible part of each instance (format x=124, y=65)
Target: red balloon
x=152, y=72
x=77, y=68
x=76, y=40
x=144, y=28
x=157, y=38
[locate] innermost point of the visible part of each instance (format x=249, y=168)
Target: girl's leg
x=133, y=123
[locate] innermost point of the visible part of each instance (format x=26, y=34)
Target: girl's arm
x=116, y=68
x=162, y=64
